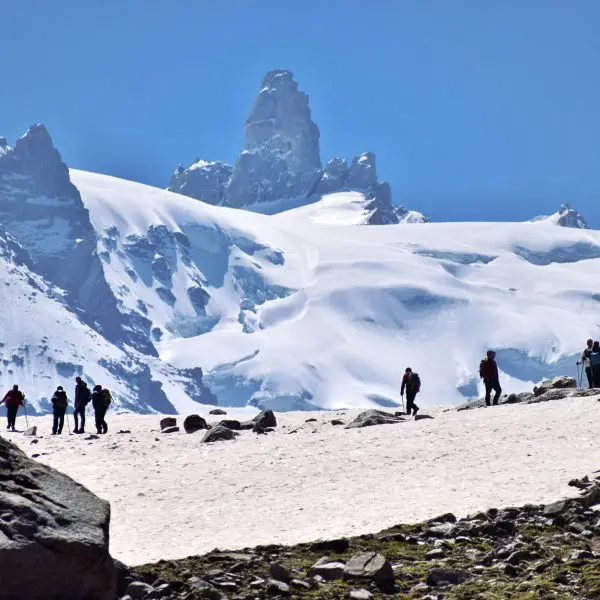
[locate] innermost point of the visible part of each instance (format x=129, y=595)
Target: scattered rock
x=554, y=384
x=218, y=434
x=556, y=508
x=421, y=417
x=32, y=431
x=435, y=554
x=259, y=430
x=124, y=431
x=311, y=420
x=280, y=573
x=370, y=565
x=265, y=419
x=373, y=417
x=337, y=422
x=173, y=429
x=34, y=442
x=327, y=569
x=217, y=411
x=275, y=588
x=361, y=594
x=138, y=590
x=53, y=534
x=168, y=422
x=446, y=577
x=194, y=423
x=339, y=545
x=230, y=424
x=93, y=436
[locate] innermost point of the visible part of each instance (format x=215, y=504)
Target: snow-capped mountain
x=171, y=302
x=565, y=217
x=280, y=165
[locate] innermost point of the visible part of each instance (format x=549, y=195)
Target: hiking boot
x=54, y=433
x=416, y=411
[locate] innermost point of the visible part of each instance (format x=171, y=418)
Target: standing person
x=585, y=360
x=412, y=384
x=12, y=400
x=59, y=408
x=488, y=371
x=82, y=398
x=595, y=364
x=101, y=400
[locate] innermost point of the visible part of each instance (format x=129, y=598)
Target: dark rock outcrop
x=219, y=434
x=372, y=417
x=203, y=180
x=194, y=423
x=53, y=534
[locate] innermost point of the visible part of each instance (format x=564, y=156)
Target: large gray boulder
x=194, y=423
x=53, y=534
x=219, y=434
x=372, y=417
x=280, y=157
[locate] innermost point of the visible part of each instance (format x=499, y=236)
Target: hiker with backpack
x=595, y=364
x=59, y=408
x=101, y=400
x=13, y=399
x=82, y=398
x=586, y=362
x=488, y=371
x=412, y=384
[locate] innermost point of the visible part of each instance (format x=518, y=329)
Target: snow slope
x=308, y=308
x=172, y=497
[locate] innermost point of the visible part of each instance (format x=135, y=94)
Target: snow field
x=172, y=496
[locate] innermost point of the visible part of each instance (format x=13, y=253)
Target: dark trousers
x=101, y=426
x=59, y=420
x=492, y=384
x=590, y=376
x=596, y=376
x=79, y=413
x=410, y=402
x=11, y=416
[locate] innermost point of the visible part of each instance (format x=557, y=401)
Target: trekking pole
x=25, y=409
x=67, y=416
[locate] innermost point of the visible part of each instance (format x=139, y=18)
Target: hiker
x=585, y=360
x=59, y=408
x=12, y=401
x=82, y=398
x=101, y=400
x=595, y=364
x=488, y=371
x=412, y=384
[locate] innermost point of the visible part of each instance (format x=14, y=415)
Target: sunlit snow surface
x=311, y=308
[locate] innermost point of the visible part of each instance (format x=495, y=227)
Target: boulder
x=554, y=384
x=446, y=577
x=327, y=569
x=53, y=534
x=373, y=417
x=218, y=434
x=217, y=411
x=370, y=566
x=32, y=431
x=265, y=419
x=173, y=429
x=337, y=422
x=280, y=573
x=168, y=422
x=194, y=423
x=230, y=424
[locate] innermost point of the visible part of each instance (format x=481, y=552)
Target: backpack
x=416, y=382
x=482, y=367
x=106, y=395
x=595, y=359
x=60, y=400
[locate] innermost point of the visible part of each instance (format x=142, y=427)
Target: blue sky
x=476, y=109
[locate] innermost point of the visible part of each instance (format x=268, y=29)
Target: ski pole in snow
x=25, y=409
x=67, y=417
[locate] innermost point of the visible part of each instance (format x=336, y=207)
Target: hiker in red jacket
x=12, y=400
x=488, y=371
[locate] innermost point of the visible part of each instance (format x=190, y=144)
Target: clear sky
x=476, y=109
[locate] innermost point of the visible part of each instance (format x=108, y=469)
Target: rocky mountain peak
x=569, y=217
x=204, y=180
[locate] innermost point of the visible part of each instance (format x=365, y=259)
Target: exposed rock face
x=281, y=161
x=43, y=211
x=53, y=534
x=204, y=180
x=280, y=158
x=368, y=418
x=569, y=217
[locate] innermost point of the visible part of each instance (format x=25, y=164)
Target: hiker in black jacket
x=59, y=408
x=412, y=384
x=101, y=400
x=82, y=398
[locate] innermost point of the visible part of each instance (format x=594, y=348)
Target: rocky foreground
x=534, y=551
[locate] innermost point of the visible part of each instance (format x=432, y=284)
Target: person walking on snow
x=82, y=398
x=101, y=400
x=488, y=371
x=59, y=408
x=412, y=384
x=585, y=360
x=12, y=400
